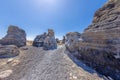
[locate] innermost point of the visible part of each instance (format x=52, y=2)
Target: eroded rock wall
x=71, y=41
x=100, y=47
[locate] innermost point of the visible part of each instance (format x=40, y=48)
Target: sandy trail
x=37, y=64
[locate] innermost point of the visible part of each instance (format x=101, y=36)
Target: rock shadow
x=81, y=64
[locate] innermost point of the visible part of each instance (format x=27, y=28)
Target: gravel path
x=37, y=64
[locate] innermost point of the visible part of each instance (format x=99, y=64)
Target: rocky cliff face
x=107, y=17
x=46, y=40
x=100, y=47
x=15, y=36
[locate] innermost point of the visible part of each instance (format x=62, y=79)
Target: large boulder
x=100, y=47
x=15, y=36
x=8, y=51
x=39, y=40
x=46, y=40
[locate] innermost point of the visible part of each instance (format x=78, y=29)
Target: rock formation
x=57, y=40
x=100, y=47
x=8, y=51
x=15, y=36
x=72, y=39
x=46, y=40
x=64, y=39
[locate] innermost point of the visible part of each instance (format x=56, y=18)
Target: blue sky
x=36, y=16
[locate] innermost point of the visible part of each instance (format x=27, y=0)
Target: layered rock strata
x=15, y=36
x=8, y=51
x=100, y=47
x=72, y=39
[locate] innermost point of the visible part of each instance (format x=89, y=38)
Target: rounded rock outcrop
x=15, y=36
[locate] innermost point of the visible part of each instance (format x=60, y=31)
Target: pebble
x=5, y=74
x=74, y=77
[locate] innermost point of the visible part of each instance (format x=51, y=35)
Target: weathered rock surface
x=100, y=47
x=107, y=17
x=60, y=42
x=38, y=64
x=46, y=40
x=8, y=51
x=15, y=36
x=72, y=39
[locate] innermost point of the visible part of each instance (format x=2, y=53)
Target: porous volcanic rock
x=15, y=36
x=100, y=47
x=46, y=40
x=8, y=51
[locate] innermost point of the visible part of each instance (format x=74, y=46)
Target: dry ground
x=36, y=64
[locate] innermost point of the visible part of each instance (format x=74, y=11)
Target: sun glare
x=51, y=2
x=48, y=7
x=47, y=2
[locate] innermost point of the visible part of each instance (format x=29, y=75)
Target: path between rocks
x=38, y=64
